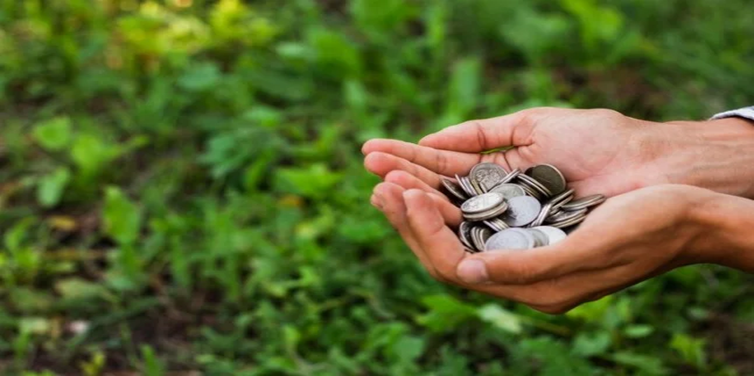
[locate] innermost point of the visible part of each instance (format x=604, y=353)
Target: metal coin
x=453, y=187
x=521, y=211
x=483, y=216
x=540, y=239
x=530, y=191
x=543, y=214
x=487, y=175
x=479, y=236
x=570, y=222
x=554, y=235
x=464, y=233
x=564, y=216
x=483, y=203
x=511, y=239
x=534, y=184
x=509, y=191
x=512, y=175
x=466, y=186
x=476, y=187
x=549, y=176
x=584, y=202
x=496, y=224
x=560, y=200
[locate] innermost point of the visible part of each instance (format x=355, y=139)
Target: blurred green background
x=181, y=184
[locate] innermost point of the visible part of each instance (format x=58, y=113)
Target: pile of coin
x=515, y=210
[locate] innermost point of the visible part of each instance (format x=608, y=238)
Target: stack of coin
x=515, y=210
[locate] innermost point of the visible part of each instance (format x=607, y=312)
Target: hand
x=629, y=238
x=598, y=151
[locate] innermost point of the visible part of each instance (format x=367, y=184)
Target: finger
x=450, y=213
x=443, y=162
x=394, y=208
x=381, y=164
x=479, y=135
x=437, y=241
x=526, y=267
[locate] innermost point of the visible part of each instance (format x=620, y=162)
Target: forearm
x=728, y=235
x=717, y=155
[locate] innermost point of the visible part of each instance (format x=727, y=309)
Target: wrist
x=716, y=155
x=726, y=236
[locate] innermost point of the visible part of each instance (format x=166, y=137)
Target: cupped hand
x=598, y=151
x=628, y=239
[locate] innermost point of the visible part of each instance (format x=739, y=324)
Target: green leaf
x=122, y=218
x=51, y=187
x=500, y=318
x=446, y=313
x=590, y=344
x=648, y=364
x=203, y=76
x=408, y=348
x=90, y=153
x=77, y=288
x=314, y=181
x=53, y=134
x=638, y=331
x=690, y=349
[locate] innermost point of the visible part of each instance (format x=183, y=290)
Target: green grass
x=186, y=183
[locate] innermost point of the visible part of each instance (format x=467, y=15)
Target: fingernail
x=376, y=202
x=472, y=271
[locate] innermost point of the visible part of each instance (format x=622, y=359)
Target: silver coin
x=464, y=233
x=540, y=238
x=521, y=211
x=479, y=236
x=534, y=184
x=562, y=216
x=560, y=200
x=584, y=202
x=466, y=186
x=570, y=222
x=496, y=224
x=509, y=191
x=476, y=187
x=543, y=214
x=549, y=176
x=483, y=203
x=554, y=235
x=487, y=175
x=510, y=239
x=483, y=216
x=511, y=175
x=451, y=186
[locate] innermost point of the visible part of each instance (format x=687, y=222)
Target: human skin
x=599, y=151
x=628, y=239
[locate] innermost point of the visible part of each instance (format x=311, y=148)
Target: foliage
x=181, y=184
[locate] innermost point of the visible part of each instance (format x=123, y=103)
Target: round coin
x=549, y=176
x=584, y=202
x=466, y=186
x=483, y=203
x=509, y=191
x=453, y=187
x=464, y=234
x=540, y=239
x=487, y=175
x=479, y=236
x=563, y=216
x=554, y=235
x=510, y=239
x=534, y=184
x=521, y=211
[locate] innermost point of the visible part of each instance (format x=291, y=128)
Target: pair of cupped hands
x=648, y=226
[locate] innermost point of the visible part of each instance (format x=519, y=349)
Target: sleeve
x=746, y=113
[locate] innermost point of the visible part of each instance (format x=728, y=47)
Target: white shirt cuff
x=746, y=113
